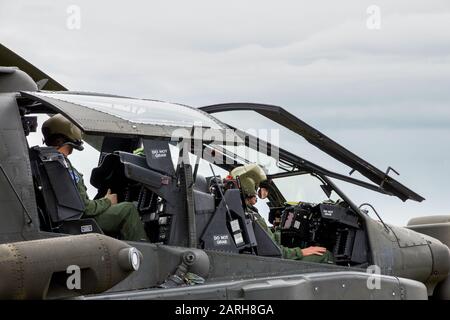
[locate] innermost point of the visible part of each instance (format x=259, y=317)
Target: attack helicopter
x=201, y=244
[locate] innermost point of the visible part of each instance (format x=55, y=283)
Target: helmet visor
x=75, y=144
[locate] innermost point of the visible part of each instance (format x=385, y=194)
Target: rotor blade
x=9, y=58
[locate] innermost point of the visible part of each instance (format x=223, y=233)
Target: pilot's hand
x=314, y=250
x=111, y=196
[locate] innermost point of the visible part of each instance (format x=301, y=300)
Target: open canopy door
x=321, y=141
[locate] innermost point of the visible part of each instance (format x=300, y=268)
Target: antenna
x=381, y=220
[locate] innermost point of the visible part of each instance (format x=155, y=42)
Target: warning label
x=159, y=153
x=221, y=240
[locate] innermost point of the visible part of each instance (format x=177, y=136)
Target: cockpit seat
x=59, y=203
x=121, y=172
x=201, y=184
x=108, y=175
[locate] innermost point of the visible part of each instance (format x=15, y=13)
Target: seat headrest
x=201, y=184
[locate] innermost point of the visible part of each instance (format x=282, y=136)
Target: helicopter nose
x=130, y=259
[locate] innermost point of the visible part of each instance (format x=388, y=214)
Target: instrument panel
x=334, y=226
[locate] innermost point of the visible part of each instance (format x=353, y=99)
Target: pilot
x=251, y=176
x=112, y=217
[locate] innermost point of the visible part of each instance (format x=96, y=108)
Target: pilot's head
x=264, y=188
x=251, y=198
x=62, y=134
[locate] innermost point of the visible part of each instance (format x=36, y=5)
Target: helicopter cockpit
x=177, y=179
x=162, y=189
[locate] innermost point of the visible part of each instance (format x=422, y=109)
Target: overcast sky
x=381, y=92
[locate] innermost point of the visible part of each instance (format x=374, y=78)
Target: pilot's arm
x=288, y=253
x=312, y=254
x=298, y=253
x=92, y=207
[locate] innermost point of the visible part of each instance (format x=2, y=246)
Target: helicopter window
x=203, y=168
x=244, y=155
x=141, y=111
x=304, y=188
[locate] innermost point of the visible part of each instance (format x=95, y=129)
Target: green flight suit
x=289, y=253
x=122, y=218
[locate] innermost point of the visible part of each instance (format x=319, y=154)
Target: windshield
x=303, y=188
x=245, y=155
x=141, y=111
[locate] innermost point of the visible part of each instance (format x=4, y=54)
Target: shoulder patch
x=75, y=176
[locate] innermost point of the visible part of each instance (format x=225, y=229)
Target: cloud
x=372, y=90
